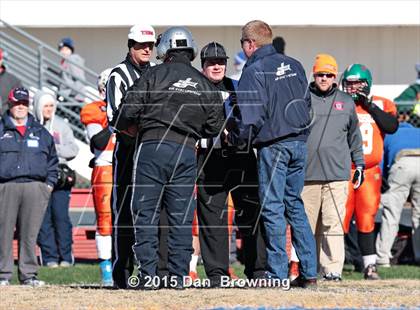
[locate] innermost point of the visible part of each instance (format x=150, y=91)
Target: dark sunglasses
x=143, y=45
x=328, y=75
x=14, y=104
x=214, y=61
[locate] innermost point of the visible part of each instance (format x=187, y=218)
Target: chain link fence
x=411, y=109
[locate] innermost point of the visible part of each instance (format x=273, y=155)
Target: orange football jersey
x=373, y=138
x=95, y=113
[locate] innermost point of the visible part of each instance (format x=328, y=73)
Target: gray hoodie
x=64, y=140
x=335, y=139
x=73, y=76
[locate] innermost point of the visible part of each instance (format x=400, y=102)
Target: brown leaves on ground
x=355, y=294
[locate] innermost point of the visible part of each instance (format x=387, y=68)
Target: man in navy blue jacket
x=274, y=101
x=28, y=173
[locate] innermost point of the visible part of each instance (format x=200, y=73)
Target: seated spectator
x=55, y=236
x=401, y=164
x=7, y=82
x=72, y=74
x=28, y=173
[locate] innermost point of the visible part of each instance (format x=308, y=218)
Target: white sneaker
x=4, y=282
x=52, y=265
x=34, y=282
x=384, y=265
x=65, y=264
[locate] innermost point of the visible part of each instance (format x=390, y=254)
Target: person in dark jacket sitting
x=28, y=173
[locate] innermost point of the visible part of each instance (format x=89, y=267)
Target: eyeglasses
x=245, y=40
x=328, y=75
x=143, y=45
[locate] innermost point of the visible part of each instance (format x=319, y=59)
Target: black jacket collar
x=320, y=93
x=178, y=57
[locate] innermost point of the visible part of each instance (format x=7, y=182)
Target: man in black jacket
x=173, y=106
x=224, y=169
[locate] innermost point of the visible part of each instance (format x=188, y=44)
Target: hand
x=231, y=124
x=223, y=136
x=128, y=136
x=130, y=131
x=365, y=100
x=358, y=177
x=50, y=188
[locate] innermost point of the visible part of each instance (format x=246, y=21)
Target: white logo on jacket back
x=181, y=86
x=185, y=83
x=282, y=69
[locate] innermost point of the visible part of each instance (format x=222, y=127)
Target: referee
x=141, y=40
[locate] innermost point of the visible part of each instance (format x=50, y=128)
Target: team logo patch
x=185, y=83
x=7, y=135
x=33, y=137
x=338, y=105
x=282, y=72
x=282, y=69
x=181, y=86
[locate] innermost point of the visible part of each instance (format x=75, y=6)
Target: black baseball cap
x=213, y=50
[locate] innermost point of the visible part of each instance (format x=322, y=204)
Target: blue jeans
x=281, y=172
x=55, y=236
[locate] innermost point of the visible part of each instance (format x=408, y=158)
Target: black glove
x=231, y=124
x=358, y=177
x=365, y=101
x=101, y=139
x=385, y=185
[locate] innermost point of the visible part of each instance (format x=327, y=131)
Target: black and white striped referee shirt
x=120, y=79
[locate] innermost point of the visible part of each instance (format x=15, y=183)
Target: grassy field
x=89, y=274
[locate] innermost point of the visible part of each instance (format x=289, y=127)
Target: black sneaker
x=304, y=283
x=371, y=272
x=332, y=276
x=215, y=282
